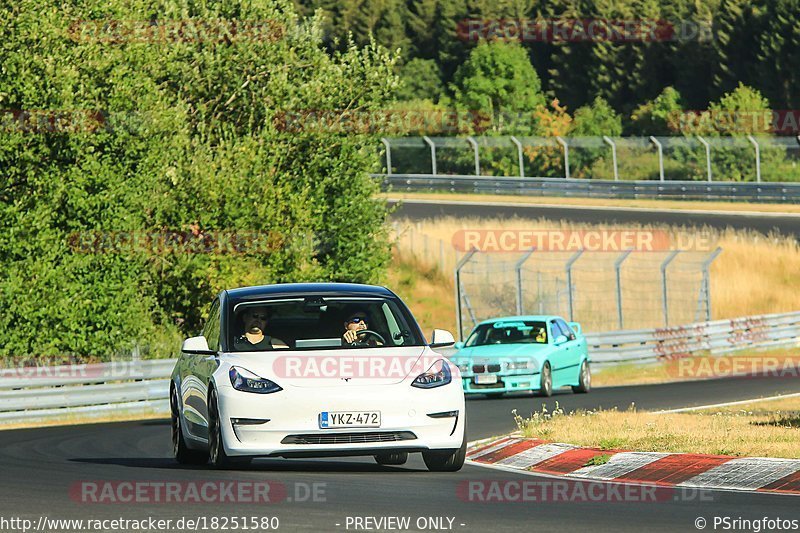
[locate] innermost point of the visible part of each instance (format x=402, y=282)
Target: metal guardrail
x=591, y=188
x=714, y=337
x=57, y=394
x=33, y=395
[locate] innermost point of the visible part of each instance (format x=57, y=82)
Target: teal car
x=524, y=353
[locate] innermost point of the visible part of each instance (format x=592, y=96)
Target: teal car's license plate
x=486, y=379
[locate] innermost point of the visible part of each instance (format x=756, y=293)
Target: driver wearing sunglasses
x=357, y=321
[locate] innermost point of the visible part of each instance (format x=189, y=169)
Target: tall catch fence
x=603, y=290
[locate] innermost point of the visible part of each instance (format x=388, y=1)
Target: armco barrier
x=34, y=395
x=714, y=337
x=591, y=188
x=47, y=394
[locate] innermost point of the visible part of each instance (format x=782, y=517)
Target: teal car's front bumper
x=505, y=383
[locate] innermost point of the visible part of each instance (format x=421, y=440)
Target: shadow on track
x=258, y=465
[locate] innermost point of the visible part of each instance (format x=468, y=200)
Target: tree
x=199, y=140
x=596, y=120
x=420, y=79
x=660, y=116
x=498, y=79
x=742, y=111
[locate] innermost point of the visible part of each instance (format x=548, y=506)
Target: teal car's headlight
x=518, y=365
x=246, y=381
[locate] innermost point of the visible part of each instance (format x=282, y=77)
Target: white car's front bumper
x=286, y=423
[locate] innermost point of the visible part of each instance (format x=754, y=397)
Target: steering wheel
x=365, y=333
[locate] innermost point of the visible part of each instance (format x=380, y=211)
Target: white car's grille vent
x=349, y=438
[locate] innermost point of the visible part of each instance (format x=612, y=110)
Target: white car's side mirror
x=442, y=338
x=196, y=346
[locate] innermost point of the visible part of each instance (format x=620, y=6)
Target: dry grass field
x=760, y=429
x=752, y=275
x=682, y=205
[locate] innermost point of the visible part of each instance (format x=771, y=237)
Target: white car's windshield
x=320, y=322
x=509, y=332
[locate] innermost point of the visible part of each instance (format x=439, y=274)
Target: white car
x=276, y=375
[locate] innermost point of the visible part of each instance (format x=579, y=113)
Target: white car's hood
x=329, y=368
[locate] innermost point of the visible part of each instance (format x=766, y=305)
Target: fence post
x=660, y=157
x=474, y=144
x=564, y=144
x=617, y=268
x=613, y=145
x=664, y=295
x=539, y=291
x=518, y=269
x=388, y=155
x=459, y=265
x=758, y=157
x=571, y=261
x=706, y=280
x=433, y=153
x=519, y=155
x=708, y=156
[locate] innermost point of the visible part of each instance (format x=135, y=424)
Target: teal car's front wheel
x=584, y=379
x=546, y=386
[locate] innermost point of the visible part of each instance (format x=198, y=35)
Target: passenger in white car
x=255, y=338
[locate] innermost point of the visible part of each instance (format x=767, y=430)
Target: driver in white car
x=357, y=321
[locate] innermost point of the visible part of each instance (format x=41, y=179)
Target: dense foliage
x=705, y=49
x=183, y=139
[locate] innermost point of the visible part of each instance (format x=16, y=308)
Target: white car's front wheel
x=182, y=453
x=216, y=439
x=446, y=460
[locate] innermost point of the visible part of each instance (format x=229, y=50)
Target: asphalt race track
x=765, y=223
x=40, y=466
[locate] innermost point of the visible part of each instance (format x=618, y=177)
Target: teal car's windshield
x=509, y=332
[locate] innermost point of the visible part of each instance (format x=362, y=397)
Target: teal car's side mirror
x=561, y=339
x=458, y=345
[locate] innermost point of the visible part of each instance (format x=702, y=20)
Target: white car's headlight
x=246, y=381
x=437, y=375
